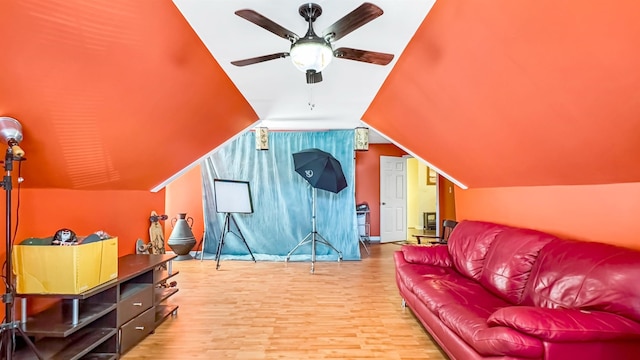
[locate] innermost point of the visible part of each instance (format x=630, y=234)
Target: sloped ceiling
x=121, y=94
x=512, y=93
x=111, y=94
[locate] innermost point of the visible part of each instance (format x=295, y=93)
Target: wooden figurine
x=156, y=233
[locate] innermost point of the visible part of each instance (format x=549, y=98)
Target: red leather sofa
x=499, y=292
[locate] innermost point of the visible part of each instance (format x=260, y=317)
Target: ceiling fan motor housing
x=310, y=11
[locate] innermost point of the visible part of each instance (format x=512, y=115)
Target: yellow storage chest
x=42, y=269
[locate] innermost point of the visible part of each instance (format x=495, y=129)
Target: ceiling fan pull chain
x=311, y=104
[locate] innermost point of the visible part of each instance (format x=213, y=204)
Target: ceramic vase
x=181, y=240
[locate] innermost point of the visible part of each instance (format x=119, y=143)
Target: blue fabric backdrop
x=282, y=199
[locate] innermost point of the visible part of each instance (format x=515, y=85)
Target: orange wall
x=603, y=213
x=368, y=179
x=519, y=93
x=42, y=212
x=446, y=199
x=184, y=195
x=124, y=214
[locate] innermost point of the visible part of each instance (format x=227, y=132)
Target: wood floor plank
x=276, y=310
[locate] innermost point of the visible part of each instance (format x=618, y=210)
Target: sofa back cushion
x=586, y=276
x=509, y=262
x=469, y=243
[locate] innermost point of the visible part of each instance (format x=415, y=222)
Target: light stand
x=314, y=237
x=11, y=131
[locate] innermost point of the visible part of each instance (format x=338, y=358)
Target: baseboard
x=374, y=238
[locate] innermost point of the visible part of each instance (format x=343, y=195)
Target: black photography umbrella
x=320, y=169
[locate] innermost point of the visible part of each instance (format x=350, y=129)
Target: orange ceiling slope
x=520, y=93
x=111, y=94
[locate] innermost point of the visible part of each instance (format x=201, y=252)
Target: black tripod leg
x=225, y=228
x=8, y=333
x=30, y=343
x=243, y=240
x=219, y=251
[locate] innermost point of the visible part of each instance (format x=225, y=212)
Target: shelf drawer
x=134, y=304
x=135, y=330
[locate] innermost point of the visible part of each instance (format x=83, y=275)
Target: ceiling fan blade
x=371, y=57
x=267, y=24
x=353, y=20
x=260, y=59
x=313, y=77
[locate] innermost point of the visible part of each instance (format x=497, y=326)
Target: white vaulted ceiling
x=275, y=89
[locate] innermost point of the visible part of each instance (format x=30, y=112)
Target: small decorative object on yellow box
x=42, y=269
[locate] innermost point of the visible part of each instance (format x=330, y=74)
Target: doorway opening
x=414, y=199
x=422, y=199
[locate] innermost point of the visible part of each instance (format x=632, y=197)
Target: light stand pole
x=11, y=130
x=314, y=237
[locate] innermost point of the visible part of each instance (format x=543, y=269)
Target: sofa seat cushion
x=413, y=274
x=562, y=325
x=453, y=288
x=469, y=321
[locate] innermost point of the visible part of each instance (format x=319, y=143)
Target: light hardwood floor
x=276, y=310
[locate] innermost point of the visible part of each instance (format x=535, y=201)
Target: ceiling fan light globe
x=311, y=55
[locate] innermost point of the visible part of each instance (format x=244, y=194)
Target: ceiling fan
x=312, y=53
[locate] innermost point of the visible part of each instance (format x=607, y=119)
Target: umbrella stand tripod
x=314, y=237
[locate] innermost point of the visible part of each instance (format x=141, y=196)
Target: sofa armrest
x=558, y=325
x=437, y=255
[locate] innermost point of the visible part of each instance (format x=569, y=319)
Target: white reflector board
x=232, y=196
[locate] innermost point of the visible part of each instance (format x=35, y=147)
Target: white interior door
x=393, y=199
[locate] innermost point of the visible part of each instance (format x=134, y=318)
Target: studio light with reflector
x=11, y=133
